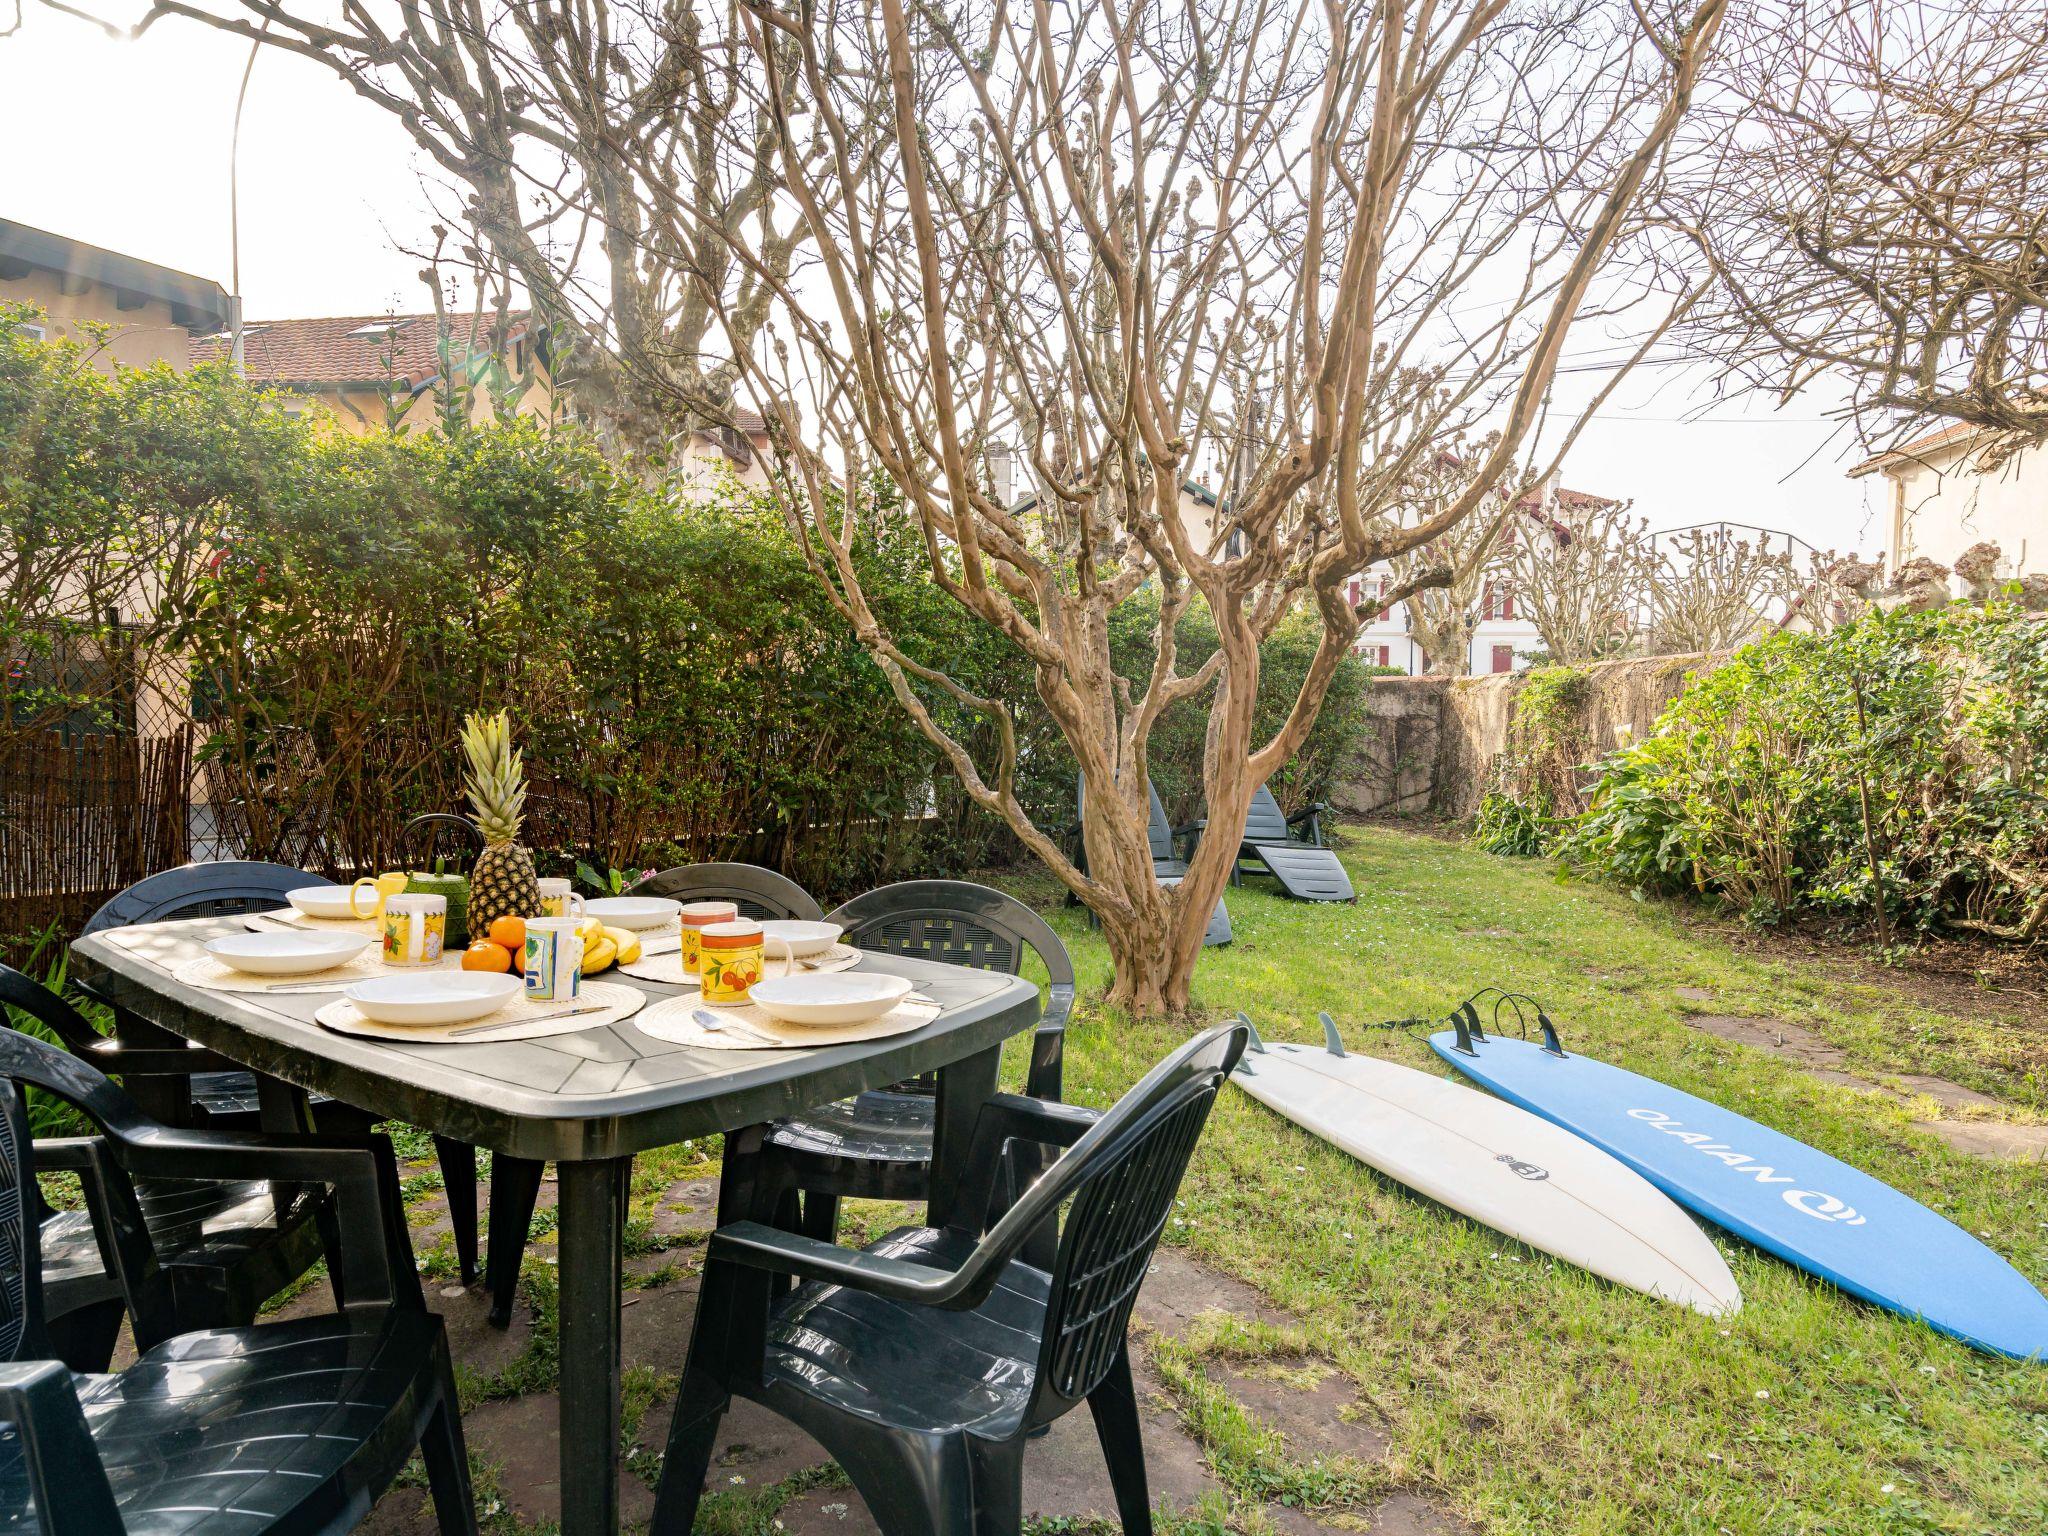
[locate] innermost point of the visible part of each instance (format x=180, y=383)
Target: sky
x=125, y=144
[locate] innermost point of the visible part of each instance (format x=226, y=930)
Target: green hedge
x=683, y=686
x=1752, y=787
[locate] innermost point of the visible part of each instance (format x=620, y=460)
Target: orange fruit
x=510, y=932
x=484, y=955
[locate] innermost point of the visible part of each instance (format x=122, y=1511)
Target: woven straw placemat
x=668, y=967
x=748, y=1028
x=218, y=976
x=517, y=1020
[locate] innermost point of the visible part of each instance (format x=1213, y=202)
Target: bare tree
x=1318, y=242
x=1473, y=555
x=1712, y=589
x=1582, y=569
x=607, y=155
x=1876, y=205
x=1131, y=242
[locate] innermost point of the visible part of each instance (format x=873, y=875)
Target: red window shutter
x=1503, y=658
x=1353, y=590
x=1507, y=600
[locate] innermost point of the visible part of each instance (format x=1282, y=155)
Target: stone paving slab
x=1979, y=1135
x=513, y=1439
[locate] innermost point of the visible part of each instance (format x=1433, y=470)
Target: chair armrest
x=119, y=1060
x=1313, y=815
x=377, y=1258
x=65, y=1154
x=754, y=1246
x=1005, y=1119
x=64, y=1468
x=1048, y=1044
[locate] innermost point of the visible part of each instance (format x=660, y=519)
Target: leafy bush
x=1753, y=786
x=1535, y=788
x=331, y=606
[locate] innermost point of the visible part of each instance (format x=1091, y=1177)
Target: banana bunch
x=605, y=947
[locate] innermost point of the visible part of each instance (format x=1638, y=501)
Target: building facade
x=147, y=313
x=1944, y=498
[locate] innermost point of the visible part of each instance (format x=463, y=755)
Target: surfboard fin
x=1465, y=1020
x=1331, y=1038
x=1550, y=1041
x=1257, y=1044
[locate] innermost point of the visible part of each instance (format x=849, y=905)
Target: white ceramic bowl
x=434, y=997
x=327, y=901
x=804, y=939
x=845, y=997
x=287, y=954
x=634, y=912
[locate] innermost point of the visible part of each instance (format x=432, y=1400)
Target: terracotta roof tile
x=345, y=349
x=1907, y=453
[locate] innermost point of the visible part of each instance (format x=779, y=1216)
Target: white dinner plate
x=804, y=939
x=847, y=997
x=287, y=954
x=433, y=997
x=634, y=912
x=326, y=901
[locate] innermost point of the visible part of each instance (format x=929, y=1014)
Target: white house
x=1502, y=638
x=1943, y=500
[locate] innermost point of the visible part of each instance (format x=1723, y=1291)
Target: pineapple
x=503, y=883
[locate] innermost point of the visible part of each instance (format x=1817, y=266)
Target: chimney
x=1000, y=464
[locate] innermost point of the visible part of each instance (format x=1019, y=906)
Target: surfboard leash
x=1465, y=1019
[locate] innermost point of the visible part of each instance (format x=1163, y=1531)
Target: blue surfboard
x=1811, y=1210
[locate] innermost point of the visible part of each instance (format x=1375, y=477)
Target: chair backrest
x=1158, y=830
x=956, y=921
x=229, y=887
x=758, y=893
x=453, y=840
x=1122, y=1177
x=21, y=1279
x=1266, y=822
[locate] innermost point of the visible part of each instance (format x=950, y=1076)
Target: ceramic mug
x=558, y=900
x=554, y=959
x=695, y=917
x=733, y=956
x=414, y=929
x=385, y=886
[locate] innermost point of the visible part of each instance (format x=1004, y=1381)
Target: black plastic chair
x=758, y=893
x=878, y=1145
x=1164, y=838
x=515, y=1181
x=230, y=1097
x=1305, y=866
x=429, y=842
x=221, y=1092
x=225, y=1247
x=923, y=1362
x=286, y=1428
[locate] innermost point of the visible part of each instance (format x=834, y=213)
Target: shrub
x=1752, y=788
x=332, y=606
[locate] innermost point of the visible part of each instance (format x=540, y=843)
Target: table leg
x=964, y=1086
x=592, y=1239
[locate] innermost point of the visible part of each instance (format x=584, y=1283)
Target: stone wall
x=1392, y=771
x=1433, y=740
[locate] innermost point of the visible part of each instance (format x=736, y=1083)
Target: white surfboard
x=1495, y=1163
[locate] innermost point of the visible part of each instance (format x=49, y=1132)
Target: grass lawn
x=1527, y=1395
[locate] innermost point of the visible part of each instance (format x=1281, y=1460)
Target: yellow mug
x=382, y=888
